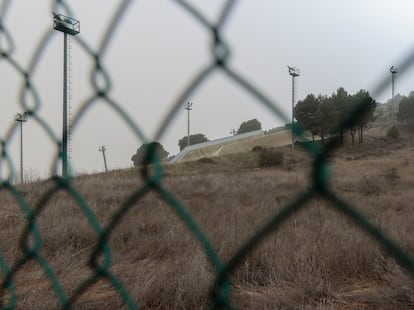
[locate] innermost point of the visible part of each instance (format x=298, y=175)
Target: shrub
x=257, y=148
x=393, y=132
x=207, y=160
x=140, y=156
x=269, y=158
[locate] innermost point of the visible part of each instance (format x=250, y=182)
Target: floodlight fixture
x=188, y=106
x=293, y=71
x=66, y=24
x=70, y=26
x=20, y=117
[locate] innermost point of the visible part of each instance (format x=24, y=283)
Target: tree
x=332, y=116
x=194, y=139
x=406, y=110
x=362, y=107
x=340, y=100
x=250, y=125
x=383, y=111
x=327, y=117
x=317, y=115
x=139, y=157
x=306, y=113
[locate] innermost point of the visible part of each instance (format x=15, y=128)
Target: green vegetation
x=194, y=139
x=383, y=111
x=270, y=158
x=250, y=125
x=277, y=129
x=406, y=110
x=142, y=152
x=393, y=132
x=327, y=116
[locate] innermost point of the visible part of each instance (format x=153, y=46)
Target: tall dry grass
x=316, y=260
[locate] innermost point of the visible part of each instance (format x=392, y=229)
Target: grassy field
x=318, y=259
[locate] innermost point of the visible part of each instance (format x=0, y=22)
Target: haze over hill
x=156, y=49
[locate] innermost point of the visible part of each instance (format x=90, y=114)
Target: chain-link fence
x=100, y=261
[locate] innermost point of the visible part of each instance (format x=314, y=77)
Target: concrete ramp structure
x=233, y=144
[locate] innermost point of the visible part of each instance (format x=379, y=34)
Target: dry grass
x=316, y=260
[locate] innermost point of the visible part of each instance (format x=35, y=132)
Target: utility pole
x=393, y=71
x=21, y=118
x=103, y=149
x=188, y=106
x=70, y=26
x=294, y=72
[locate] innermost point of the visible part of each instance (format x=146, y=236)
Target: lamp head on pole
x=20, y=117
x=188, y=106
x=393, y=70
x=65, y=24
x=293, y=71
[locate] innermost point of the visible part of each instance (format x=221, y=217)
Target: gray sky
x=158, y=48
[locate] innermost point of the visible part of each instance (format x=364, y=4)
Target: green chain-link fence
x=100, y=261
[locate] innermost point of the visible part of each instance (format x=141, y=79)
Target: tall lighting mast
x=294, y=72
x=393, y=71
x=70, y=26
x=188, y=106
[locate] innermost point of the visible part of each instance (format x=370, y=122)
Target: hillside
x=317, y=259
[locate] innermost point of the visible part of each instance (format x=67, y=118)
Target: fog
x=157, y=49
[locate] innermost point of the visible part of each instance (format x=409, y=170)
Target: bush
x=248, y=126
x=140, y=156
x=393, y=132
x=269, y=158
x=257, y=148
x=207, y=160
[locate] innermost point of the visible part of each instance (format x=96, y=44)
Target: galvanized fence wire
x=100, y=261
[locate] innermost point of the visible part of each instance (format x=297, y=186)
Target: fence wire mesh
x=101, y=260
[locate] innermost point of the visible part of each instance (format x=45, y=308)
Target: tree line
x=247, y=126
x=321, y=115
x=139, y=158
x=332, y=116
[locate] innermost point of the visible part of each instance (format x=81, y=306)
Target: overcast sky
x=158, y=48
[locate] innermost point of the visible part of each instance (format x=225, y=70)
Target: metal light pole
x=70, y=26
x=103, y=149
x=188, y=106
x=21, y=118
x=294, y=72
x=393, y=73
